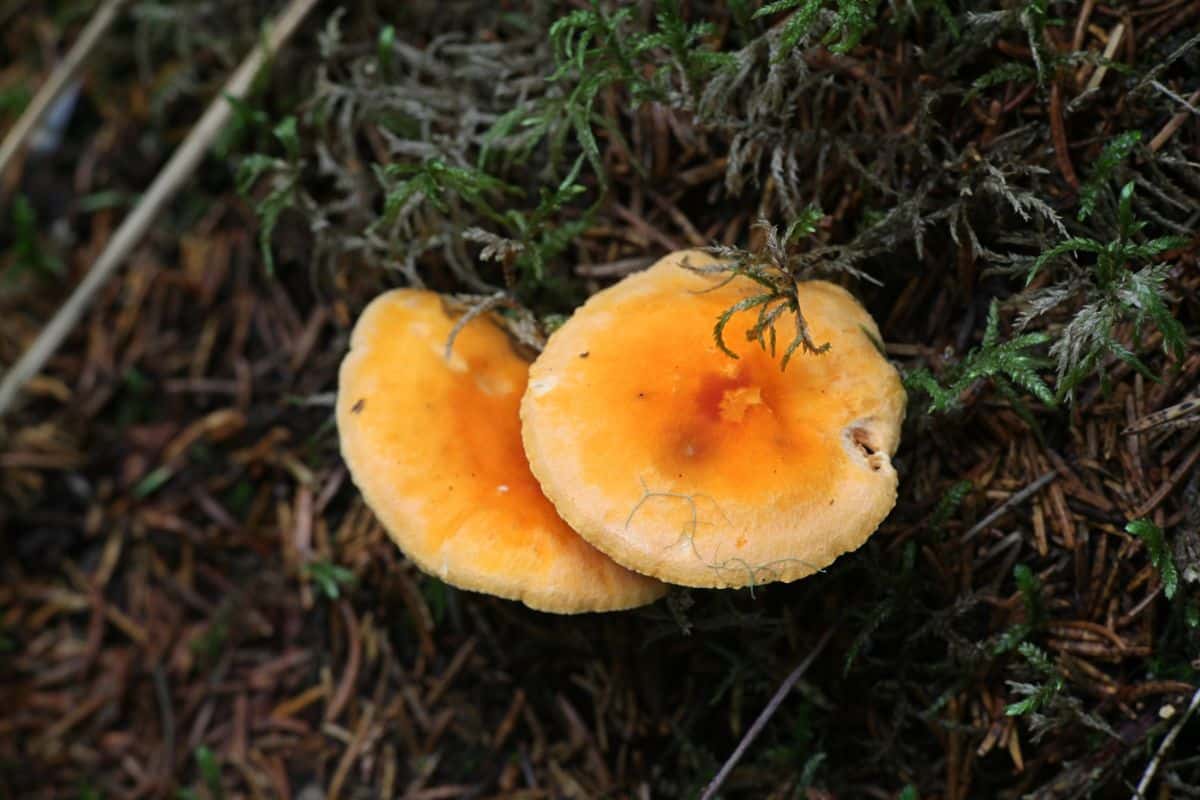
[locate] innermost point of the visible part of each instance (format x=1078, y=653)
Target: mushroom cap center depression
x=684, y=417
x=721, y=400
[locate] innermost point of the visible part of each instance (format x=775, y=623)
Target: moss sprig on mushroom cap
x=779, y=272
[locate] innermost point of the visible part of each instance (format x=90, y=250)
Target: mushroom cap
x=699, y=469
x=435, y=448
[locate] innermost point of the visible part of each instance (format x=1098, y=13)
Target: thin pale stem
x=183, y=163
x=714, y=786
x=89, y=37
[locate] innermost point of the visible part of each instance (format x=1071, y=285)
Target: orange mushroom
x=700, y=469
x=435, y=447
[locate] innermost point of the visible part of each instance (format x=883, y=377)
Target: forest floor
x=195, y=602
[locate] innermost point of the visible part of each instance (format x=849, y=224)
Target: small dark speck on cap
x=357, y=407
x=585, y=354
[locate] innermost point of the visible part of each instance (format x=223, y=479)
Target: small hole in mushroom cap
x=866, y=444
x=862, y=440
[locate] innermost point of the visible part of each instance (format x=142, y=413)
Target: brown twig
x=1182, y=471
x=1173, y=124
x=345, y=688
x=1058, y=133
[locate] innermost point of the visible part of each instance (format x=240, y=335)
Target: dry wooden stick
x=89, y=37
x=1058, y=135
x=181, y=166
x=1174, y=124
x=1114, y=41
x=1164, y=746
x=1013, y=501
x=776, y=700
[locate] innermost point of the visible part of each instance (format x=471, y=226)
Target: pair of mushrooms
x=632, y=452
